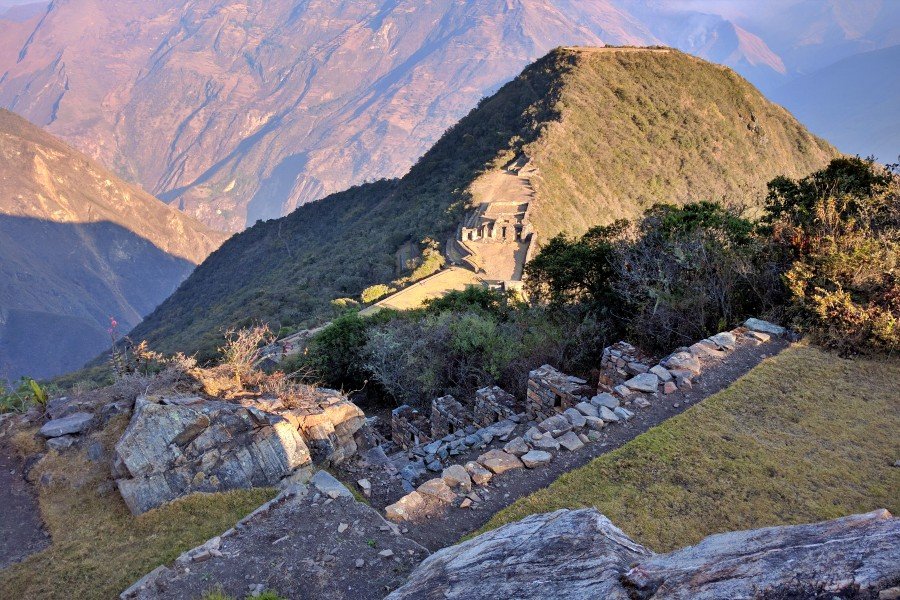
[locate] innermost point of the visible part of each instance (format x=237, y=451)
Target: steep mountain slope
x=240, y=110
x=78, y=246
x=707, y=131
x=852, y=102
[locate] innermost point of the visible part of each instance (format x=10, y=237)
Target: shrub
x=686, y=273
x=373, y=293
x=334, y=355
x=839, y=231
x=242, y=350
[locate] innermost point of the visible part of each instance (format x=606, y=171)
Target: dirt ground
x=21, y=531
x=444, y=525
x=308, y=547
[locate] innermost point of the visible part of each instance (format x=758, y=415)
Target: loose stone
x=536, y=458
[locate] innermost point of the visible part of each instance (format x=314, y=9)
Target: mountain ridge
x=79, y=246
x=286, y=271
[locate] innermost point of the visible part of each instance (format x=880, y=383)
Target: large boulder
x=580, y=554
x=565, y=554
x=173, y=449
x=852, y=557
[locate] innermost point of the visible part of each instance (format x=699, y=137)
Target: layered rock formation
x=581, y=554
x=177, y=446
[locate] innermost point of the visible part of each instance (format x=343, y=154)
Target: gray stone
x=623, y=390
x=435, y=465
x=661, y=372
x=575, y=418
x=536, y=458
x=555, y=425
x=437, y=488
x=605, y=399
x=581, y=554
x=366, y=486
x=705, y=349
x=95, y=452
x=571, y=441
x=516, y=446
x=758, y=336
x=595, y=423
x=623, y=413
x=645, y=382
x=635, y=368
x=479, y=475
x=499, y=462
x=170, y=450
x=643, y=402
x=61, y=443
x=75, y=423
x=574, y=555
x=608, y=415
x=329, y=486
x=724, y=340
x=764, y=327
x=545, y=442
x=587, y=409
x=456, y=476
x=684, y=361
x=406, y=508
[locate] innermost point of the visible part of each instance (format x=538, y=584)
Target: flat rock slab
x=74, y=423
x=536, y=458
x=644, y=382
x=498, y=461
x=764, y=327
x=294, y=547
x=566, y=554
x=570, y=441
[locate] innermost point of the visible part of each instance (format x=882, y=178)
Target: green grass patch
x=805, y=436
x=99, y=548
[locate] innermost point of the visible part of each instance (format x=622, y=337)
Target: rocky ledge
x=577, y=554
x=175, y=446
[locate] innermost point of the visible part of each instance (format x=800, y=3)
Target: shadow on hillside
x=60, y=283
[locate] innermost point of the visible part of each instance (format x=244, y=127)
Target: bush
x=686, y=273
x=374, y=293
x=839, y=231
x=334, y=355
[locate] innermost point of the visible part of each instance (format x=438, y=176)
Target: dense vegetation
x=611, y=132
x=803, y=437
x=823, y=257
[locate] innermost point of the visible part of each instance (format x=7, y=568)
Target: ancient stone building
x=550, y=392
x=493, y=404
x=448, y=416
x=409, y=427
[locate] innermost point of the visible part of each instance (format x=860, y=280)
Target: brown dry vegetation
x=805, y=436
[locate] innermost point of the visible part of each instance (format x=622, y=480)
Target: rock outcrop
x=178, y=446
x=173, y=449
x=580, y=554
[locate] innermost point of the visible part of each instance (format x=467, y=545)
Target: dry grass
x=98, y=547
x=804, y=437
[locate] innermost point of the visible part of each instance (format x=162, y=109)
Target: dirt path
x=21, y=530
x=446, y=526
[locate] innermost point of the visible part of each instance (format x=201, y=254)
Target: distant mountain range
x=78, y=246
x=608, y=133
x=242, y=110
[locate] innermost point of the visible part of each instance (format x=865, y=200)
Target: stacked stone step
x=551, y=392
x=448, y=416
x=493, y=404
x=680, y=369
x=409, y=427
